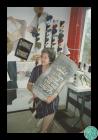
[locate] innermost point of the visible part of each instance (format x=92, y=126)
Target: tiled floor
x=24, y=122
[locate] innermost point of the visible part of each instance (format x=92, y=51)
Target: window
x=85, y=55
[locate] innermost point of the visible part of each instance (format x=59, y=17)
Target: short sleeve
x=32, y=78
x=35, y=74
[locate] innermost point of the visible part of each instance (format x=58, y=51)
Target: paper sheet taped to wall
x=52, y=81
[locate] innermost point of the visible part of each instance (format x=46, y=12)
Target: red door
x=76, y=25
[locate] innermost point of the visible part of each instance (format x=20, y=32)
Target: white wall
x=27, y=13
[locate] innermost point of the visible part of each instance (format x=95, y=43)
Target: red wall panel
x=75, y=33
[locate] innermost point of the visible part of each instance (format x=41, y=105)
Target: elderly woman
x=46, y=109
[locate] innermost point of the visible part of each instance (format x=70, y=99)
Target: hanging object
x=55, y=33
x=61, y=36
x=48, y=33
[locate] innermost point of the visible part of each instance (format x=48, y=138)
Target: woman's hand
x=51, y=98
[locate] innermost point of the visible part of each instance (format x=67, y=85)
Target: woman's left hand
x=51, y=98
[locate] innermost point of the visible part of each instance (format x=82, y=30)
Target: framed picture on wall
x=23, y=48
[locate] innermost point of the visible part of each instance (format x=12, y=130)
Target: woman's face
x=45, y=59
